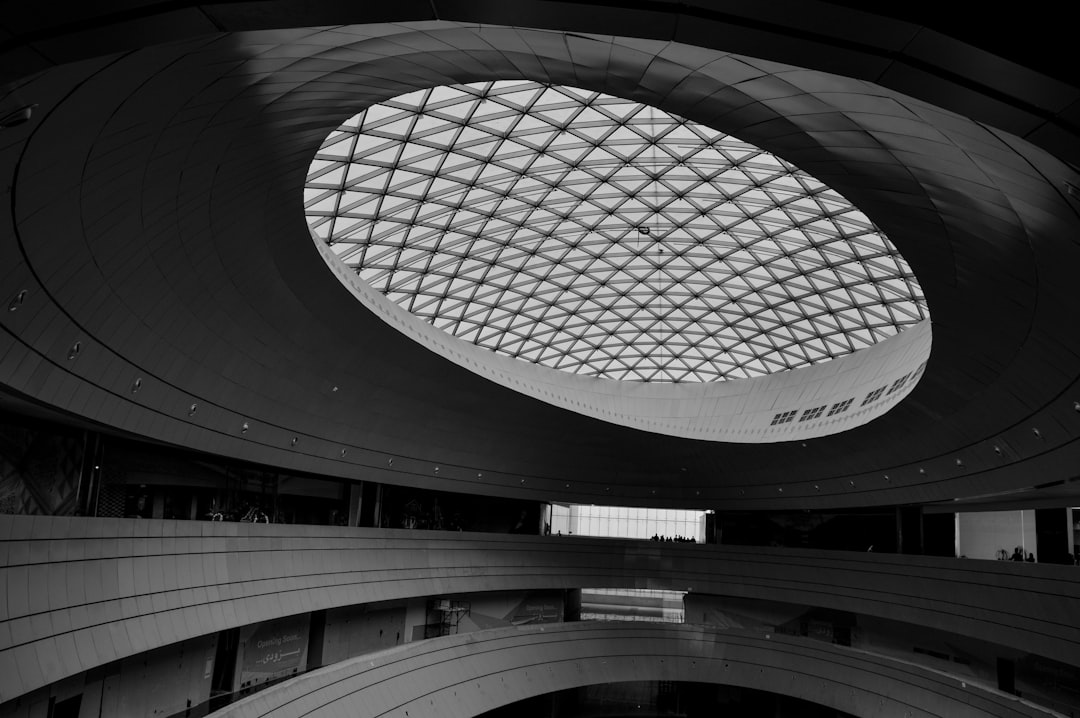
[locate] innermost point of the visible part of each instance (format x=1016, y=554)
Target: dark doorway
x=1051, y=536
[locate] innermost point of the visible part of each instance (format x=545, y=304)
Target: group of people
x=1018, y=555
x=677, y=539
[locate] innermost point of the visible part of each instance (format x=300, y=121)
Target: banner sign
x=275, y=648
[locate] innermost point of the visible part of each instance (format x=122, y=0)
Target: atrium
x=453, y=359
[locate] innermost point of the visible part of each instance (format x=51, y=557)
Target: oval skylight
x=601, y=236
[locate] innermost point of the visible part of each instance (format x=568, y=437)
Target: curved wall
x=739, y=411
x=78, y=593
x=914, y=50
x=468, y=674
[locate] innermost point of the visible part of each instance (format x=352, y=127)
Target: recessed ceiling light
x=17, y=301
x=17, y=117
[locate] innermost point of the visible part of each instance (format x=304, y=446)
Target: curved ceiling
x=602, y=237
x=157, y=227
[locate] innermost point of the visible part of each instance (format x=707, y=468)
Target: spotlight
x=17, y=117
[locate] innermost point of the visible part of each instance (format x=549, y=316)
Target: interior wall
x=982, y=534
x=415, y=619
x=356, y=630
x=39, y=468
x=510, y=608
x=157, y=683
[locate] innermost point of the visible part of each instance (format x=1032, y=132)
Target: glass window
x=458, y=201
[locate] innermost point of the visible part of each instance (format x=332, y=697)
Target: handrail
x=469, y=674
x=82, y=592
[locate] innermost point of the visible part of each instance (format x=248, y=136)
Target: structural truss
x=601, y=236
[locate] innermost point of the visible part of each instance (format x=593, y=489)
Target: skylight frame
x=771, y=251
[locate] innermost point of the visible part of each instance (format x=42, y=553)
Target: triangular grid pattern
x=603, y=237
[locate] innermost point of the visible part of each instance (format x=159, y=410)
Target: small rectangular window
x=840, y=406
x=811, y=414
x=872, y=396
x=899, y=383
x=783, y=417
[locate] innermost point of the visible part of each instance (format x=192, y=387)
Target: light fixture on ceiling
x=17, y=301
x=17, y=117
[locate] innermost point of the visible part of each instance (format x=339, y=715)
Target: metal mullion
x=509, y=288
x=516, y=333
x=612, y=358
x=873, y=312
x=901, y=307
x=388, y=175
x=333, y=165
x=560, y=328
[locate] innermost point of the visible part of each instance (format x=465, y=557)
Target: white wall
x=982, y=534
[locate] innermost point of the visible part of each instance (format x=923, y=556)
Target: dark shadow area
x=648, y=699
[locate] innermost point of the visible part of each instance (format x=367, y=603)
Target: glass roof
x=601, y=236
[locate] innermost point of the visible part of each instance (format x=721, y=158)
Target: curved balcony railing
x=466, y=675
x=76, y=593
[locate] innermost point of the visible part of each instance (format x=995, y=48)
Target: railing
x=480, y=671
x=75, y=589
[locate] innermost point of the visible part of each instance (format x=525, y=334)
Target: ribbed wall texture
x=460, y=676
x=77, y=592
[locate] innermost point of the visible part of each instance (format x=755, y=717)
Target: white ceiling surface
x=158, y=220
x=740, y=411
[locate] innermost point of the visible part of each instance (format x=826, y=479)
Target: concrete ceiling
x=156, y=220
